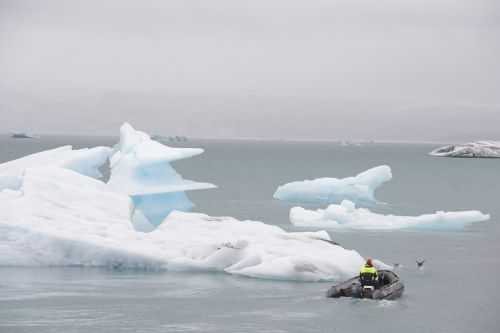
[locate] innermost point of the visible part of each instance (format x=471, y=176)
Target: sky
x=415, y=70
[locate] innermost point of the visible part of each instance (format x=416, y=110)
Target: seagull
x=420, y=263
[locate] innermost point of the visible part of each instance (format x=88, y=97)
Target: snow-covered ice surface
x=85, y=161
x=360, y=188
x=485, y=149
x=140, y=167
x=62, y=218
x=347, y=216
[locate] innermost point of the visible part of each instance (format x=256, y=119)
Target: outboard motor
x=367, y=291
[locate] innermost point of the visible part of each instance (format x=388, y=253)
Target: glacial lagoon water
x=457, y=291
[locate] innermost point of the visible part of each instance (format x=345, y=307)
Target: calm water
x=457, y=291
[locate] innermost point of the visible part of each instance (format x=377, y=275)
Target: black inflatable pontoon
x=390, y=287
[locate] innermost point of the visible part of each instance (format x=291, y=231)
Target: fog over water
x=384, y=70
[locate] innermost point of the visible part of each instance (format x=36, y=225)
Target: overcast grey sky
x=313, y=69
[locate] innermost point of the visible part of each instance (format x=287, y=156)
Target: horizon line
x=262, y=139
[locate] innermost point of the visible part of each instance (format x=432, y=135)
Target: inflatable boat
x=390, y=287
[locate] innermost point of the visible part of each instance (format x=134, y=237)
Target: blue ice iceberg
x=140, y=167
x=347, y=216
x=360, y=189
x=55, y=213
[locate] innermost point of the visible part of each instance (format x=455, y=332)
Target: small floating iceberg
x=347, y=216
x=478, y=149
x=360, y=188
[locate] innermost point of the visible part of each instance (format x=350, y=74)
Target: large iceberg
x=140, y=167
x=59, y=217
x=473, y=149
x=360, y=188
x=53, y=212
x=347, y=216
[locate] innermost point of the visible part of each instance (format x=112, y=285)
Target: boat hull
x=391, y=288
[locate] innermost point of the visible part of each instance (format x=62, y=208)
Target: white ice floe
x=140, y=167
x=360, y=189
x=473, y=149
x=59, y=217
x=347, y=216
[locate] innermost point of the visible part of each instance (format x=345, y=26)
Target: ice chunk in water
x=489, y=149
x=347, y=216
x=360, y=189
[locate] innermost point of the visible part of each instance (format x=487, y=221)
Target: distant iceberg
x=360, y=189
x=347, y=143
x=165, y=139
x=347, y=216
x=23, y=135
x=485, y=149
